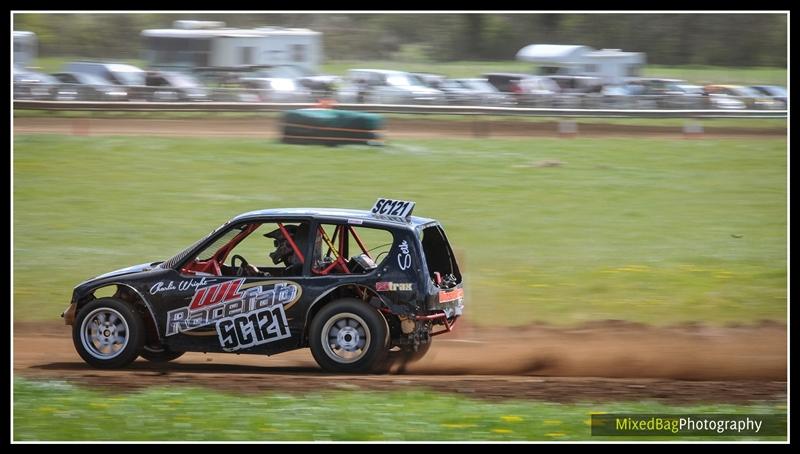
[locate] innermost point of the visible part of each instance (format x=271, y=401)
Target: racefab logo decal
x=221, y=303
x=394, y=286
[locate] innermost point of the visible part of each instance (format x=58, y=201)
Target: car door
x=231, y=296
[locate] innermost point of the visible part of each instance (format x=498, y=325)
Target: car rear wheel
x=349, y=336
x=108, y=333
x=159, y=354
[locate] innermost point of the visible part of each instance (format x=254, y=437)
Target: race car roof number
x=390, y=207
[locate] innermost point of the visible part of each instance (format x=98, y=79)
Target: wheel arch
x=130, y=295
x=335, y=293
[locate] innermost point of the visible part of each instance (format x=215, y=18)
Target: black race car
x=357, y=287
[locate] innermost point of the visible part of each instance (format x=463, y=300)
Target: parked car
x=318, y=85
x=773, y=92
x=454, y=92
x=351, y=285
x=171, y=86
x=116, y=73
x=527, y=90
x=34, y=85
x=379, y=86
x=488, y=94
x=684, y=96
x=270, y=87
x=751, y=98
x=577, y=84
x=92, y=88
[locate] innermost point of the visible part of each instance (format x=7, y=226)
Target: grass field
x=59, y=411
x=655, y=231
x=693, y=74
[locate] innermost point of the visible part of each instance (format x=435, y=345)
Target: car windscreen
x=130, y=77
x=182, y=80
x=746, y=91
x=90, y=79
x=403, y=80
x=479, y=85
x=775, y=91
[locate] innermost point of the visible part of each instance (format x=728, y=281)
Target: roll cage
x=334, y=259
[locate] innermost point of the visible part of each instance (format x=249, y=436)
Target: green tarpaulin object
x=331, y=127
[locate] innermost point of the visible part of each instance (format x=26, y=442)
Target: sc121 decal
x=389, y=207
x=248, y=330
x=227, y=300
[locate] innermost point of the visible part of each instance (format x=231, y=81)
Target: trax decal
x=247, y=330
x=182, y=286
x=404, y=256
x=394, y=286
x=227, y=300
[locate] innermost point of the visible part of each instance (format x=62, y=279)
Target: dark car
x=115, y=73
x=486, y=93
x=773, y=92
x=351, y=285
x=33, y=85
x=92, y=88
x=527, y=89
x=170, y=86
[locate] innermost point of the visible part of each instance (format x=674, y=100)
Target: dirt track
x=396, y=128
x=596, y=362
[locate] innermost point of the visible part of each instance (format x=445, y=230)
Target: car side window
x=349, y=249
x=273, y=249
x=255, y=250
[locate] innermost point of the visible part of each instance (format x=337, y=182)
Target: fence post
x=567, y=128
x=480, y=126
x=80, y=127
x=692, y=129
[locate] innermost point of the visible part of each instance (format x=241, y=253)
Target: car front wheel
x=108, y=333
x=349, y=336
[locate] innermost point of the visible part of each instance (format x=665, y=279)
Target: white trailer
x=613, y=66
x=610, y=66
x=25, y=48
x=196, y=44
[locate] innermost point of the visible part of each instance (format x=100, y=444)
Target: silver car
x=379, y=86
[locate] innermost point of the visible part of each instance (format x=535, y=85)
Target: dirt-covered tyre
x=160, y=354
x=108, y=333
x=350, y=336
x=409, y=356
x=397, y=360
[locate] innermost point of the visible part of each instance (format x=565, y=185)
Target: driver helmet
x=283, y=250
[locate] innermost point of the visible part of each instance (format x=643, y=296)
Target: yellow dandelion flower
x=457, y=426
x=511, y=418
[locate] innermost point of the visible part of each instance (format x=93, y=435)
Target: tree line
x=745, y=39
